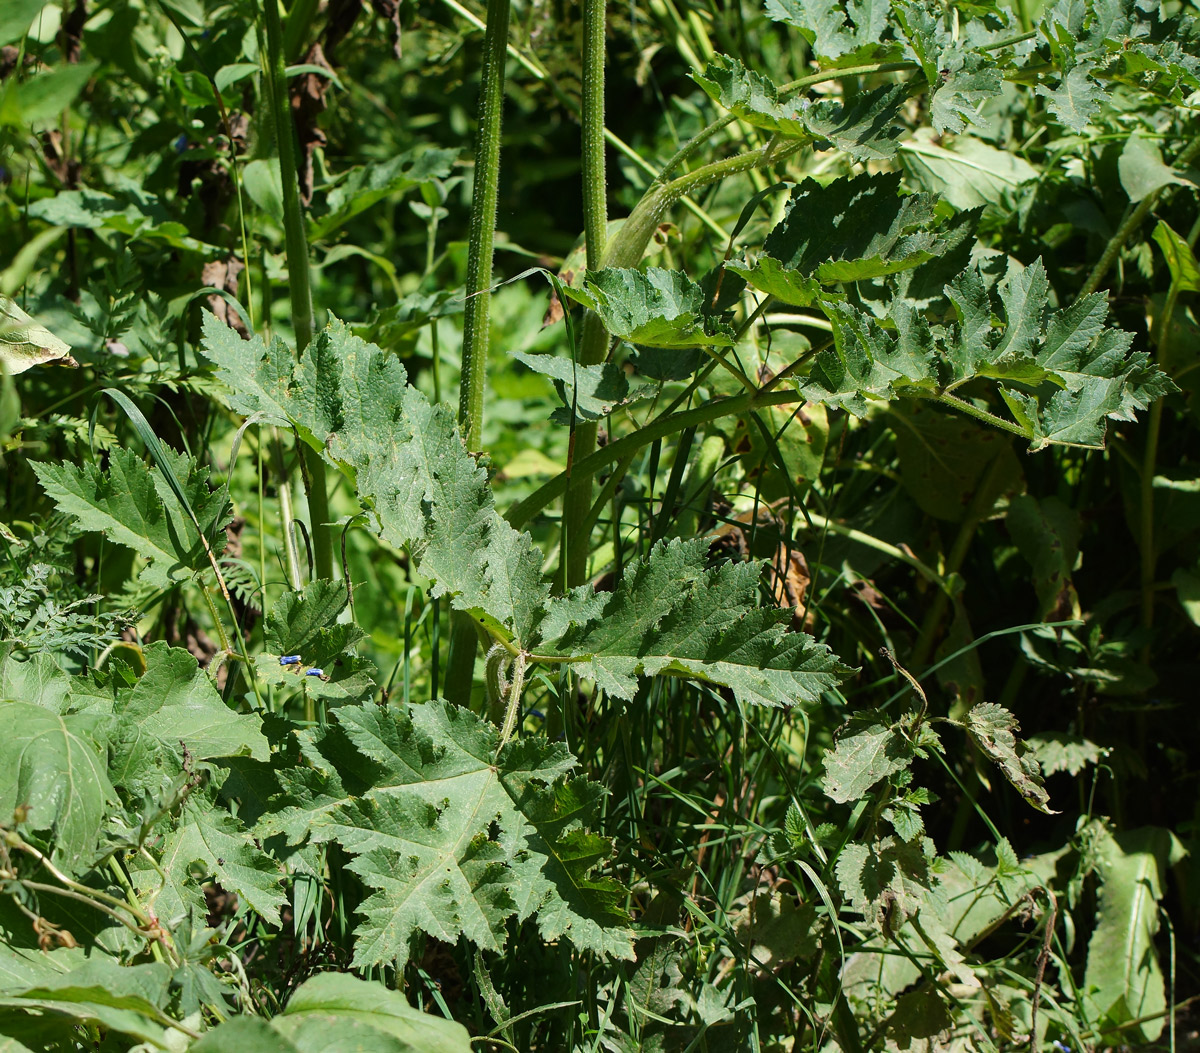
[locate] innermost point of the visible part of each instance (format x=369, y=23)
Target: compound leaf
x=455, y=839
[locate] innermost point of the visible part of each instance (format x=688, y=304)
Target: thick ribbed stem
x=593, y=344
x=460, y=663
x=483, y=225
x=299, y=280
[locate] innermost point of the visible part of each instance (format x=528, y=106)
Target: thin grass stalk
x=460, y=663
x=299, y=277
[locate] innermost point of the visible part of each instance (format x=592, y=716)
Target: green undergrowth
x=769, y=626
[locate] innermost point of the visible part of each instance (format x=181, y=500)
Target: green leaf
x=45, y=96
x=1142, y=170
x=964, y=171
x=352, y=403
x=867, y=749
x=866, y=127
x=824, y=24
x=25, y=343
x=1123, y=981
x=134, y=506
x=172, y=707
x=993, y=729
x=16, y=18
x=264, y=184
x=949, y=465
x=369, y=184
x=752, y=97
x=453, y=839
x=244, y=1034
x=868, y=363
x=366, y=1013
x=305, y=624
x=593, y=392
x=208, y=843
x=1181, y=261
x=848, y=231
x=1057, y=751
x=54, y=766
x=671, y=614
x=888, y=880
x=1076, y=99
x=657, y=307
x=123, y=998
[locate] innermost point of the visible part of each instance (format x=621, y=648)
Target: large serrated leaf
x=353, y=404
x=134, y=506
x=453, y=839
x=851, y=230
x=671, y=614
x=206, y=843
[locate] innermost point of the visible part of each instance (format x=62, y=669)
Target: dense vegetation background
x=845, y=698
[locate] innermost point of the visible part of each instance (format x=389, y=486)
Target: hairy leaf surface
x=453, y=839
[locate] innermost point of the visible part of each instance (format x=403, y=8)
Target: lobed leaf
x=452, y=838
x=671, y=614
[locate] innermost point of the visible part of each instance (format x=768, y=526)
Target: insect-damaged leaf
x=993, y=729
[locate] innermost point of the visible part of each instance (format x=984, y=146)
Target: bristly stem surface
x=299, y=278
x=460, y=663
x=483, y=225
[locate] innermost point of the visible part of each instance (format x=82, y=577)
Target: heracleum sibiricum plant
x=165, y=829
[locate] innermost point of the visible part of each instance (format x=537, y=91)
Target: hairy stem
x=460, y=663
x=593, y=344
x=483, y=225
x=299, y=278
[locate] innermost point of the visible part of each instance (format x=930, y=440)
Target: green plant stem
x=981, y=504
x=1132, y=221
x=595, y=182
x=625, y=249
x=299, y=277
x=594, y=340
x=1149, y=558
x=483, y=225
x=460, y=661
x=285, y=510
